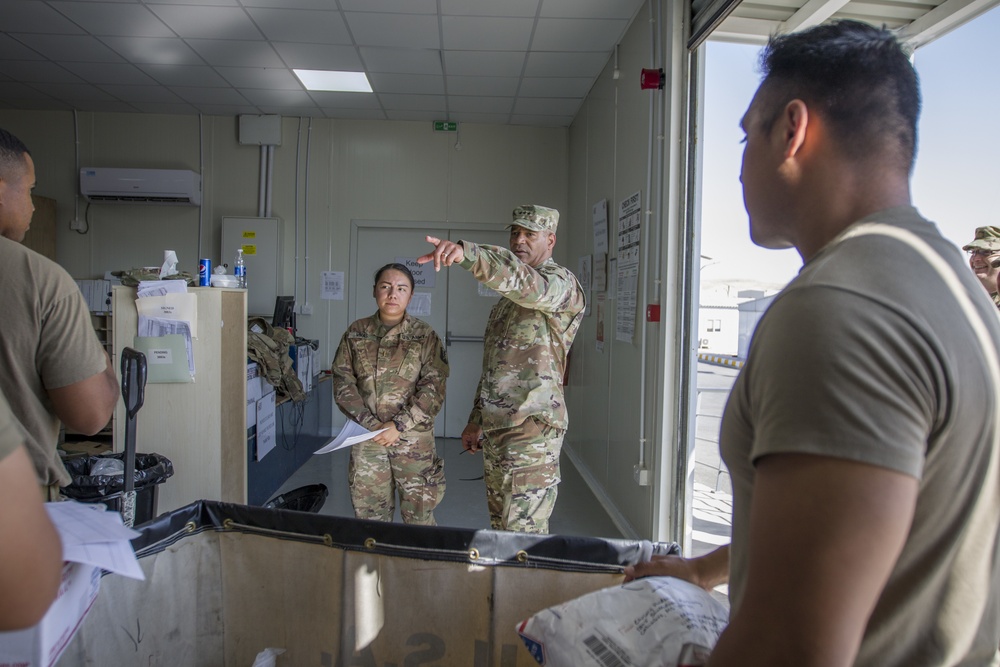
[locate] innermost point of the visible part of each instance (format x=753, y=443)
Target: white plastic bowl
x=224, y=280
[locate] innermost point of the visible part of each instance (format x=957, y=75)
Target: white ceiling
x=525, y=62
x=528, y=62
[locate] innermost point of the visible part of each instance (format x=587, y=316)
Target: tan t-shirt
x=11, y=435
x=868, y=355
x=48, y=342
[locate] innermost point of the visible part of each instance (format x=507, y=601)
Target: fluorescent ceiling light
x=346, y=82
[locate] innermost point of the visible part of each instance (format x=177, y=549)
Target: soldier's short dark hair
x=395, y=266
x=857, y=76
x=12, y=152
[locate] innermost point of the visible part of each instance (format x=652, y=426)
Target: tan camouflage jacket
x=527, y=338
x=398, y=375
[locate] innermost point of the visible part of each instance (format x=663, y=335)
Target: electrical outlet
x=76, y=224
x=641, y=475
x=307, y=309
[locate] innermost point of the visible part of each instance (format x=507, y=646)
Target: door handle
x=449, y=339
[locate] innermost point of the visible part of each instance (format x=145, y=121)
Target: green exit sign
x=445, y=126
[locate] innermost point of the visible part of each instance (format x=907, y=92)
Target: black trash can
x=309, y=498
x=150, y=471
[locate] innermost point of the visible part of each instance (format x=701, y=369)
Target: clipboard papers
x=350, y=435
x=167, y=322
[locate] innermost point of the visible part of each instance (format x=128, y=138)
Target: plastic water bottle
x=240, y=270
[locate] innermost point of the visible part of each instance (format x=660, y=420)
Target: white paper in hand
x=350, y=435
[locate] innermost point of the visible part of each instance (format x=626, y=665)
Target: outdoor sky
x=956, y=182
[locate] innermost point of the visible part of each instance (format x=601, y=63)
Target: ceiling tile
x=32, y=16
x=103, y=106
x=483, y=85
x=184, y=75
x=288, y=4
x=591, y=9
x=494, y=105
x=390, y=6
x=395, y=30
x=300, y=25
x=217, y=3
x=476, y=33
x=72, y=92
x=484, y=63
x=154, y=50
x=547, y=106
x=236, y=53
x=578, y=34
x=165, y=108
x=407, y=83
x=413, y=102
x=142, y=94
x=319, y=56
x=15, y=50
x=354, y=114
x=411, y=114
x=192, y=21
x=70, y=47
x=105, y=18
x=525, y=8
x=587, y=65
x=277, y=78
x=199, y=96
x=18, y=91
x=290, y=98
x=109, y=73
x=349, y=115
x=345, y=100
x=30, y=71
x=555, y=87
x=402, y=61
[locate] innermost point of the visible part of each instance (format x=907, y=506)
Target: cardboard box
x=42, y=645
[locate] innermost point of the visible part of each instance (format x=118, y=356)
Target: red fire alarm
x=653, y=312
x=651, y=79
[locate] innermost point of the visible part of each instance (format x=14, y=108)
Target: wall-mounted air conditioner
x=140, y=186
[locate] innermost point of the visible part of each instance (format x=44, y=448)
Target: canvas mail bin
x=223, y=582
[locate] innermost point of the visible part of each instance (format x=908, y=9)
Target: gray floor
x=577, y=512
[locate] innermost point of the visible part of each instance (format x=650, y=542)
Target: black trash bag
x=150, y=469
x=308, y=498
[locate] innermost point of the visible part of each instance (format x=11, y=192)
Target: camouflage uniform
x=396, y=374
x=986, y=238
x=519, y=402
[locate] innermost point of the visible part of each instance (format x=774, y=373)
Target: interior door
x=469, y=305
x=458, y=308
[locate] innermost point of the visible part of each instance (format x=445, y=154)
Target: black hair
x=394, y=266
x=858, y=77
x=12, y=152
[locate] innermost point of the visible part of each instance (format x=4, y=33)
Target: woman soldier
x=389, y=373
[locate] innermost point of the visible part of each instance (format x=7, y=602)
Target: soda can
x=204, y=272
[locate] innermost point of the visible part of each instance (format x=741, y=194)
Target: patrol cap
x=544, y=219
x=987, y=238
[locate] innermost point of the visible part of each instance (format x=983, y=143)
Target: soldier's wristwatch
x=395, y=422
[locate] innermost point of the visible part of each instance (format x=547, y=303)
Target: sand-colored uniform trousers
x=418, y=474
x=521, y=466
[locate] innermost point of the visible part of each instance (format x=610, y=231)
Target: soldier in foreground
x=519, y=411
x=389, y=373
x=862, y=433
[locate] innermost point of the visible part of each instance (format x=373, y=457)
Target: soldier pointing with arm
x=519, y=411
